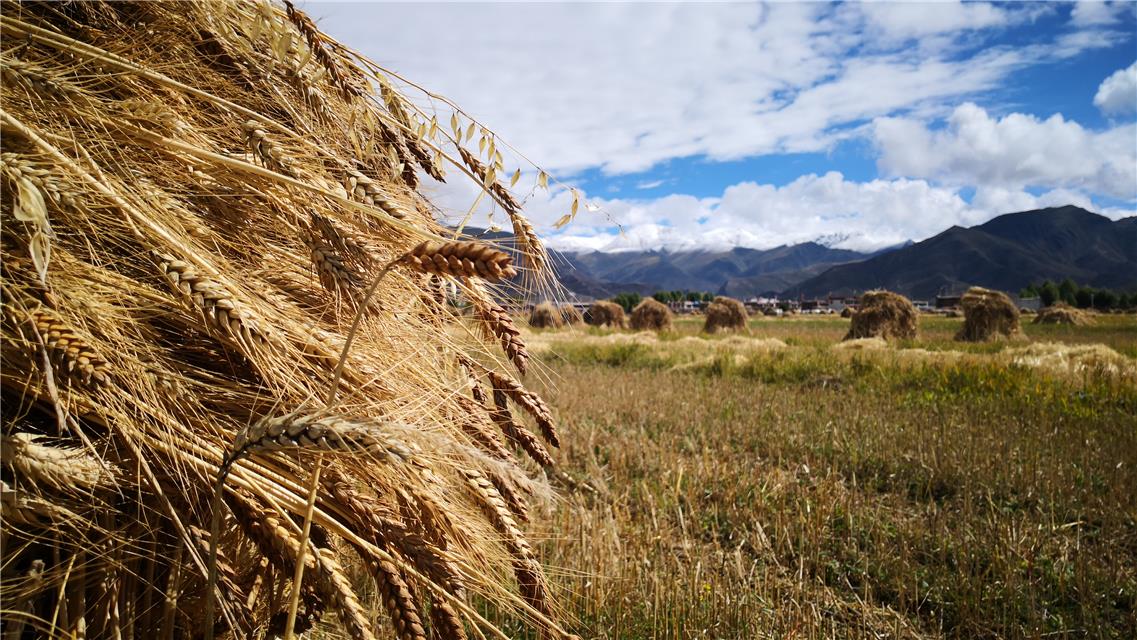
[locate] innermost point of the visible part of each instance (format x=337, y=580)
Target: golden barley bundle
x=571, y=315
x=651, y=315
x=546, y=316
x=1061, y=313
x=725, y=314
x=883, y=314
x=987, y=315
x=603, y=313
x=199, y=438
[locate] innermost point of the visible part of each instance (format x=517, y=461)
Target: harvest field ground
x=778, y=485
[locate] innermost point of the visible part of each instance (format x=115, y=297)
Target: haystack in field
x=847, y=312
x=570, y=315
x=987, y=315
x=883, y=314
x=219, y=420
x=651, y=315
x=546, y=316
x=1061, y=313
x=605, y=314
x=725, y=314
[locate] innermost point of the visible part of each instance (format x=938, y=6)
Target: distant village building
x=947, y=302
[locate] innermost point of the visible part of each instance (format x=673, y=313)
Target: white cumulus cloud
x=1013, y=152
x=1117, y=94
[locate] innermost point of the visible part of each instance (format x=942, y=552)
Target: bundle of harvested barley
x=847, y=312
x=570, y=315
x=987, y=315
x=883, y=314
x=546, y=316
x=605, y=314
x=725, y=314
x=1061, y=313
x=219, y=280
x=651, y=315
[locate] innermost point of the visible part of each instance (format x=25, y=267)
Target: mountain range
x=1008, y=253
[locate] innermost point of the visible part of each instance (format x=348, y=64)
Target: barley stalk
x=474, y=427
x=387, y=532
x=63, y=468
x=460, y=259
x=527, y=240
x=398, y=600
x=217, y=305
x=37, y=79
x=16, y=166
x=368, y=191
x=529, y=401
x=318, y=45
x=264, y=149
x=334, y=275
x=19, y=508
x=517, y=433
x=321, y=431
x=530, y=577
x=499, y=324
x=69, y=351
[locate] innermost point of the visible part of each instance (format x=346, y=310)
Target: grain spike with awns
x=883, y=314
x=201, y=202
x=987, y=315
x=725, y=314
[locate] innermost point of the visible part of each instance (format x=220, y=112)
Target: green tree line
x=629, y=300
x=1080, y=296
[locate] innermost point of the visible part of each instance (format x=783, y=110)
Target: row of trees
x=1080, y=296
x=683, y=296
x=629, y=300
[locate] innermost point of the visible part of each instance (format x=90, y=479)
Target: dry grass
x=885, y=315
x=232, y=398
x=814, y=493
x=651, y=315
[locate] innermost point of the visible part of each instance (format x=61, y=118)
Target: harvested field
x=798, y=490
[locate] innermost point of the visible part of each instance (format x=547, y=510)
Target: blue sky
x=717, y=125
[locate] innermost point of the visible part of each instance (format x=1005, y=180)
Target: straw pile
x=651, y=315
x=883, y=314
x=1062, y=313
x=725, y=314
x=217, y=272
x=847, y=312
x=987, y=315
x=546, y=316
x=571, y=316
x=605, y=314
